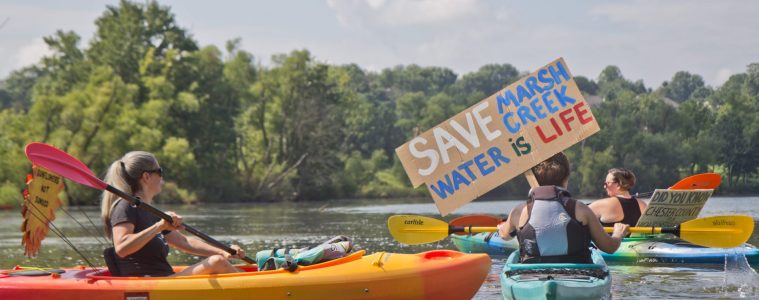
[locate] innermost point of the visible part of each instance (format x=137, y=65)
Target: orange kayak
x=439, y=274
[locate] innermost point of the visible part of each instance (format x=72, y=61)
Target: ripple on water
x=736, y=280
x=739, y=278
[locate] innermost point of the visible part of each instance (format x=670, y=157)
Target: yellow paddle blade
x=415, y=230
x=718, y=231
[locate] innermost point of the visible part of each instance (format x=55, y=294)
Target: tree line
x=226, y=128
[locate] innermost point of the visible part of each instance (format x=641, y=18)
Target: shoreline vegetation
x=331, y=203
x=226, y=127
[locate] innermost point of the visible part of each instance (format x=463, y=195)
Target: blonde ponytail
x=124, y=175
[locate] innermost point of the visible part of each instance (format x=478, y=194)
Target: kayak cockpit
x=104, y=274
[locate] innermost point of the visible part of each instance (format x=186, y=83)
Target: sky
x=648, y=40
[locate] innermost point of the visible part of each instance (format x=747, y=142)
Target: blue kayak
x=641, y=250
x=555, y=280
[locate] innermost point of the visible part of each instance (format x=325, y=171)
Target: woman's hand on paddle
x=502, y=231
x=239, y=255
x=620, y=230
x=175, y=225
x=505, y=230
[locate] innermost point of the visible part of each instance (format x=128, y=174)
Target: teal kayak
x=485, y=242
x=555, y=281
x=641, y=250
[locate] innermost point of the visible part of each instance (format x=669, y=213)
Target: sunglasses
x=608, y=183
x=159, y=171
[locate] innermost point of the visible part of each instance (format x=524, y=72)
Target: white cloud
x=430, y=12
x=647, y=39
x=708, y=38
x=28, y=23
x=30, y=54
x=722, y=76
x=448, y=33
x=398, y=13
x=374, y=4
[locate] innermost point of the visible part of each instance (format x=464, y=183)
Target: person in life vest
x=620, y=206
x=140, y=238
x=551, y=226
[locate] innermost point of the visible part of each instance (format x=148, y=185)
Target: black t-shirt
x=151, y=259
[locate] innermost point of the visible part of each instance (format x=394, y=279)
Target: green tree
x=586, y=85
x=591, y=169
x=409, y=114
x=682, y=86
x=126, y=32
x=486, y=81
x=66, y=67
x=752, y=80
x=611, y=84
x=413, y=78
x=695, y=131
x=13, y=166
x=17, y=88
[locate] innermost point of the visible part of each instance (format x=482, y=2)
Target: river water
x=265, y=226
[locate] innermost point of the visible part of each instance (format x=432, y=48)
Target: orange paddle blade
x=705, y=181
x=475, y=220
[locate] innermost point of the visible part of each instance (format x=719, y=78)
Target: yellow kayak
x=439, y=274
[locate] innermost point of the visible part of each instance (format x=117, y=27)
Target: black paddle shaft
x=673, y=230
x=149, y=208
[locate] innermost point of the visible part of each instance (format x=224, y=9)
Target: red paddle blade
x=63, y=164
x=475, y=220
x=698, y=181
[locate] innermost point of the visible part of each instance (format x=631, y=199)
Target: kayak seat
x=553, y=273
x=109, y=254
x=559, y=269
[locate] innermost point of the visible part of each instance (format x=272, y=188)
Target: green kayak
x=635, y=250
x=555, y=281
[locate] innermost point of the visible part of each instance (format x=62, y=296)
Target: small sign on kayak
x=672, y=207
x=40, y=202
x=499, y=138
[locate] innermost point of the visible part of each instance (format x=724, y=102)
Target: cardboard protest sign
x=671, y=207
x=499, y=138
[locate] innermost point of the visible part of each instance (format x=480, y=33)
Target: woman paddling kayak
x=620, y=206
x=554, y=228
x=141, y=239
